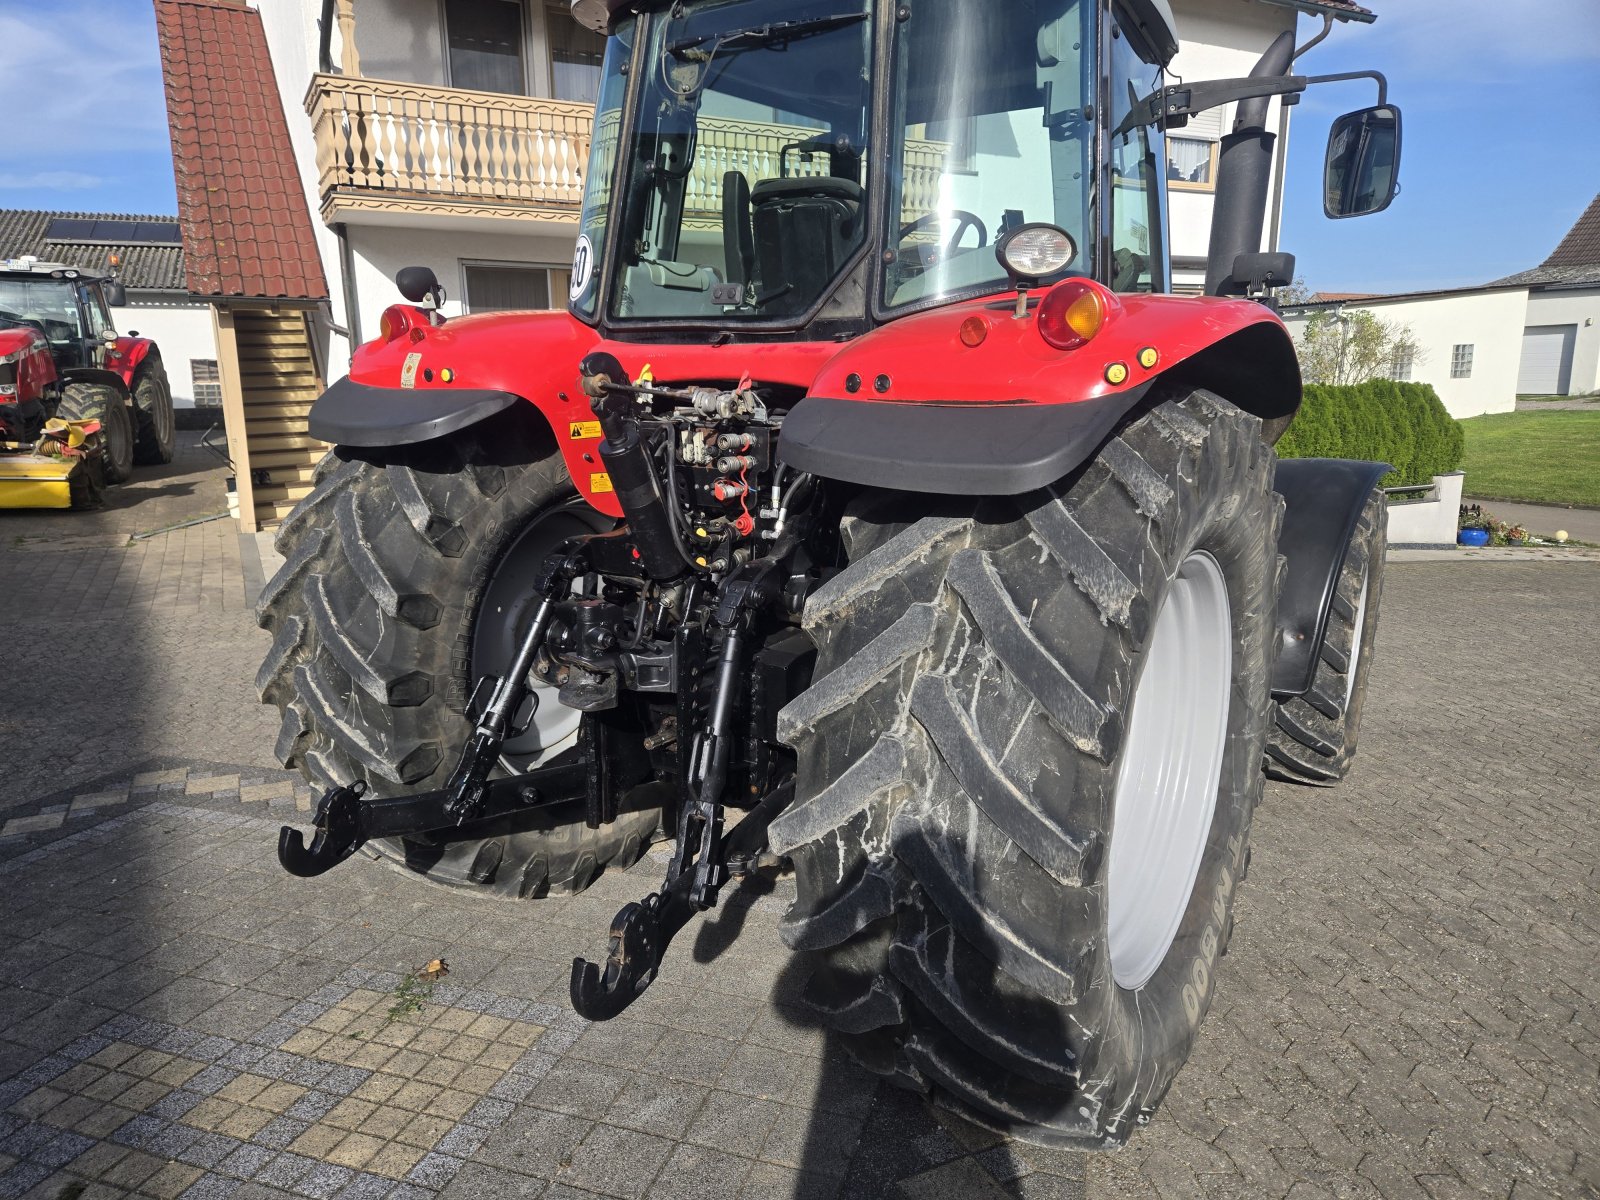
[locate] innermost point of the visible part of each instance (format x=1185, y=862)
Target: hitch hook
x=639, y=937
x=337, y=837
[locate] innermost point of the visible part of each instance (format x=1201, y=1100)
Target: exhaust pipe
x=1244, y=175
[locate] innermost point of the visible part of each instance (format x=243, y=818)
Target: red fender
x=125, y=354
x=921, y=359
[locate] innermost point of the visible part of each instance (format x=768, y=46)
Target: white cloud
x=50, y=181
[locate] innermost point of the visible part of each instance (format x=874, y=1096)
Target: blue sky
x=1500, y=155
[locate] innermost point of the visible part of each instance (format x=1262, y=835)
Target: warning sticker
x=600, y=481
x=580, y=431
x=408, y=371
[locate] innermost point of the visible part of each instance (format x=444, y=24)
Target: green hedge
x=1404, y=424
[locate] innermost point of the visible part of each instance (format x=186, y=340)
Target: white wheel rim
x=1355, y=644
x=1167, y=777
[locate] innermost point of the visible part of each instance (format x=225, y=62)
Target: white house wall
x=1580, y=308
x=292, y=42
x=181, y=329
x=1490, y=321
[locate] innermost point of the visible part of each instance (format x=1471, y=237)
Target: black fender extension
x=1323, y=499
x=358, y=414
x=955, y=449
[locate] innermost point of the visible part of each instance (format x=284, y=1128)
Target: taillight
x=397, y=321
x=1072, y=313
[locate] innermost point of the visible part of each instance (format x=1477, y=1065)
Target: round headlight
x=1036, y=251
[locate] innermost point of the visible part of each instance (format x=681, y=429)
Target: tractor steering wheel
x=964, y=221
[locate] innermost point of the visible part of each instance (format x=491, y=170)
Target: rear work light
x=397, y=321
x=1072, y=313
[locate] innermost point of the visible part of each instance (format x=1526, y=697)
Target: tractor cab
x=765, y=164
x=68, y=306
x=814, y=168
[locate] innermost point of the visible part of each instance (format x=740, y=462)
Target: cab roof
x=1154, y=17
x=37, y=268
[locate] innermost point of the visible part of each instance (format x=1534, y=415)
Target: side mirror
x=417, y=284
x=116, y=295
x=1362, y=172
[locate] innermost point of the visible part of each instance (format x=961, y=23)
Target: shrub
x=1403, y=424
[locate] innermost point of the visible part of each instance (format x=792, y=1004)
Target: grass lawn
x=1550, y=457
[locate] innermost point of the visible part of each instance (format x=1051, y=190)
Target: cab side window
x=1137, y=198
x=97, y=316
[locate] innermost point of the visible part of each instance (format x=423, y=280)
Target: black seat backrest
x=804, y=230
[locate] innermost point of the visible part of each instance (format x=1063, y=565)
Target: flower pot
x=1473, y=537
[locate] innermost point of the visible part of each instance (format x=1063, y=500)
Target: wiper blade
x=766, y=35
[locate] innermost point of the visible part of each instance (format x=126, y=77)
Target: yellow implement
x=37, y=481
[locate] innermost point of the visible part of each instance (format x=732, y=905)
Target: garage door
x=1546, y=360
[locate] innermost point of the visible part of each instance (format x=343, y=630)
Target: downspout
x=325, y=39
x=1281, y=170
x=347, y=283
x=1244, y=175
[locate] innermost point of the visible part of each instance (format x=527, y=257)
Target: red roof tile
x=246, y=239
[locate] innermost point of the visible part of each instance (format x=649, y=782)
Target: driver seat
x=805, y=228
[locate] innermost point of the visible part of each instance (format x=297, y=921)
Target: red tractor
x=61, y=356
x=871, y=509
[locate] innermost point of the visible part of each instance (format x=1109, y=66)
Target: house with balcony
x=450, y=133
x=455, y=134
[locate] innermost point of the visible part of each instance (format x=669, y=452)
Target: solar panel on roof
x=113, y=232
x=68, y=229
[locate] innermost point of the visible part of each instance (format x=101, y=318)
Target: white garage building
x=1536, y=333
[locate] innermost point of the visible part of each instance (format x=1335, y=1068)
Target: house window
x=1400, y=368
x=485, y=45
x=498, y=287
x=1191, y=164
x=1461, y=362
x=575, y=56
x=207, y=382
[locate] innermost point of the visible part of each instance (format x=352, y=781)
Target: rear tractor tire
x=152, y=414
x=405, y=579
x=1313, y=738
x=1026, y=774
x=103, y=403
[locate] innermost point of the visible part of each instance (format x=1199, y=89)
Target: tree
x=1294, y=294
x=1344, y=346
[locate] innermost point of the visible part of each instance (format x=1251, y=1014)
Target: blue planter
x=1473, y=537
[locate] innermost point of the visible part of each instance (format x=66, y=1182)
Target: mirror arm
x=1173, y=106
x=1383, y=84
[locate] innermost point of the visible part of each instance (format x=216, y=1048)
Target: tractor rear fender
x=128, y=354
x=1323, y=499
x=96, y=375
x=971, y=400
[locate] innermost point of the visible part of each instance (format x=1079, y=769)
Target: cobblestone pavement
x=1409, y=1007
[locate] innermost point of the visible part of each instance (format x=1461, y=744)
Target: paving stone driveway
x=1411, y=1006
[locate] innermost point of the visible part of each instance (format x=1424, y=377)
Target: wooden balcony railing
x=423, y=144
x=410, y=145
